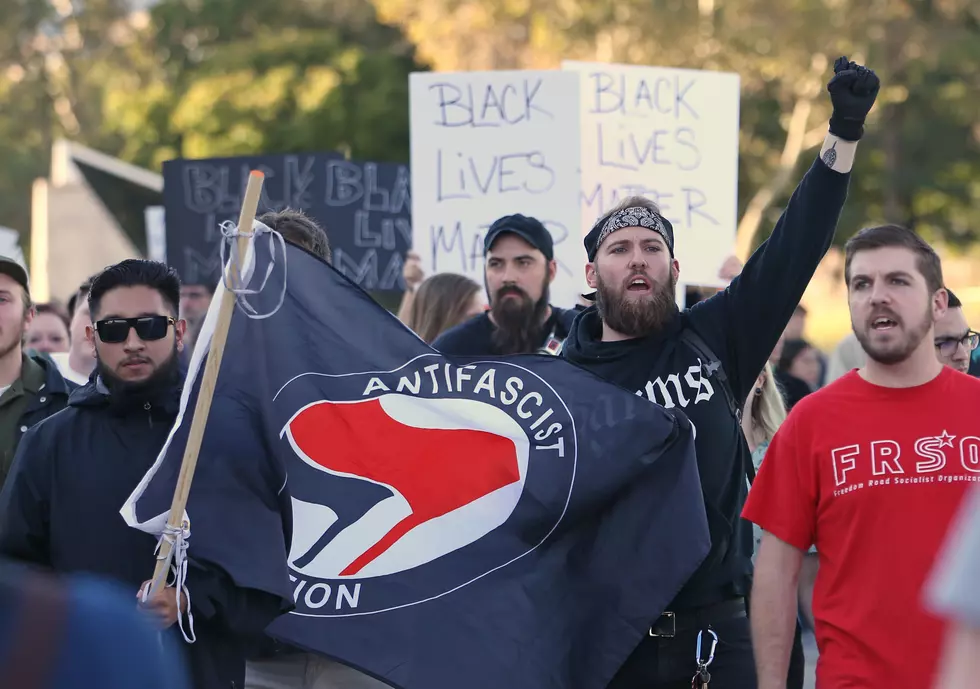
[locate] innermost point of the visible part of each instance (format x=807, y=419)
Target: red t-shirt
x=872, y=476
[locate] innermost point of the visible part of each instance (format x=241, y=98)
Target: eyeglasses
x=947, y=345
x=148, y=328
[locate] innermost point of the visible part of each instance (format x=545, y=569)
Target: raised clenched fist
x=853, y=90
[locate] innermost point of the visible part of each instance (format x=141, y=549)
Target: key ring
x=711, y=654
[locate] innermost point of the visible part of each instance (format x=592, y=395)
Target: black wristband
x=848, y=130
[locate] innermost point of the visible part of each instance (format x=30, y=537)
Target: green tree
x=231, y=77
x=53, y=55
x=919, y=162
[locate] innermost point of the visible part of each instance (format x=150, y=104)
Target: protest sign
x=489, y=144
x=670, y=135
x=365, y=208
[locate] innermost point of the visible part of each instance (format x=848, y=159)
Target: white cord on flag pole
x=230, y=231
x=177, y=537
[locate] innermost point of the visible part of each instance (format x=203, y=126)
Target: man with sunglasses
x=954, y=339
x=60, y=507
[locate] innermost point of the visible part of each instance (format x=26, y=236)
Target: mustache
x=511, y=289
x=134, y=360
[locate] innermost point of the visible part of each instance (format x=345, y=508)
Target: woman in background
x=441, y=302
x=49, y=330
x=763, y=414
x=798, y=371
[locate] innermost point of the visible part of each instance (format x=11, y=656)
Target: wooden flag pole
x=208, y=381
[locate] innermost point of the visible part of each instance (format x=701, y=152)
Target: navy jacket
x=60, y=509
x=475, y=336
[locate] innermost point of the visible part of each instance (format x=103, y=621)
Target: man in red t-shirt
x=871, y=469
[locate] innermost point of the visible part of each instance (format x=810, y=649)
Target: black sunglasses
x=116, y=330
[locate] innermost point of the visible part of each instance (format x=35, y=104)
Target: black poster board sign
x=365, y=207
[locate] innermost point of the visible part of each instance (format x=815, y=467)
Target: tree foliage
x=225, y=77
x=919, y=162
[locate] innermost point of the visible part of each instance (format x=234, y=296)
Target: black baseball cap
x=529, y=229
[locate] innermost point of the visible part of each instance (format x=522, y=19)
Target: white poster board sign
x=489, y=144
x=670, y=135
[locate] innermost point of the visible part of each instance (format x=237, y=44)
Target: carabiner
x=711, y=655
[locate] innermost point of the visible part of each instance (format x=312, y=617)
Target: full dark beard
x=166, y=376
x=632, y=317
x=520, y=321
x=898, y=352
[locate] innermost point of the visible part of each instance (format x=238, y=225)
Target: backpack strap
x=711, y=366
x=31, y=657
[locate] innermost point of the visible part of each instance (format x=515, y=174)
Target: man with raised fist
x=705, y=361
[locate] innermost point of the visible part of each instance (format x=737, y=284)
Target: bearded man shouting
x=705, y=361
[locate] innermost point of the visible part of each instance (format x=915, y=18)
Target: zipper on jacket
x=149, y=412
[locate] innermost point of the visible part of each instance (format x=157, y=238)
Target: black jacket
x=60, y=509
x=741, y=325
x=474, y=337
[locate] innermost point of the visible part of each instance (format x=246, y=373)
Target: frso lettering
x=943, y=458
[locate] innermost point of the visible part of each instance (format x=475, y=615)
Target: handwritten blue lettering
x=632, y=151
x=694, y=202
x=491, y=106
x=666, y=95
x=462, y=177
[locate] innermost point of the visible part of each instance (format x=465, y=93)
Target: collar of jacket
x=50, y=378
x=165, y=400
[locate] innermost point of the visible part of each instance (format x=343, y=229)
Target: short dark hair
x=296, y=227
x=133, y=272
x=209, y=284
x=791, y=350
x=927, y=260
x=82, y=292
x=954, y=301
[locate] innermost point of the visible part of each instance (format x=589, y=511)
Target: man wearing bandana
x=705, y=360
x=520, y=266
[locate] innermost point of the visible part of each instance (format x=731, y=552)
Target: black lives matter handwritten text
x=372, y=201
x=648, y=142
x=365, y=208
x=492, y=170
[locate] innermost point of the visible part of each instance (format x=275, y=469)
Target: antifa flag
x=495, y=522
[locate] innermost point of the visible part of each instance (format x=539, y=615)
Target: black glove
x=853, y=91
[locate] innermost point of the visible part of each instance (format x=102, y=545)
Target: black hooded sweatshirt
x=741, y=325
